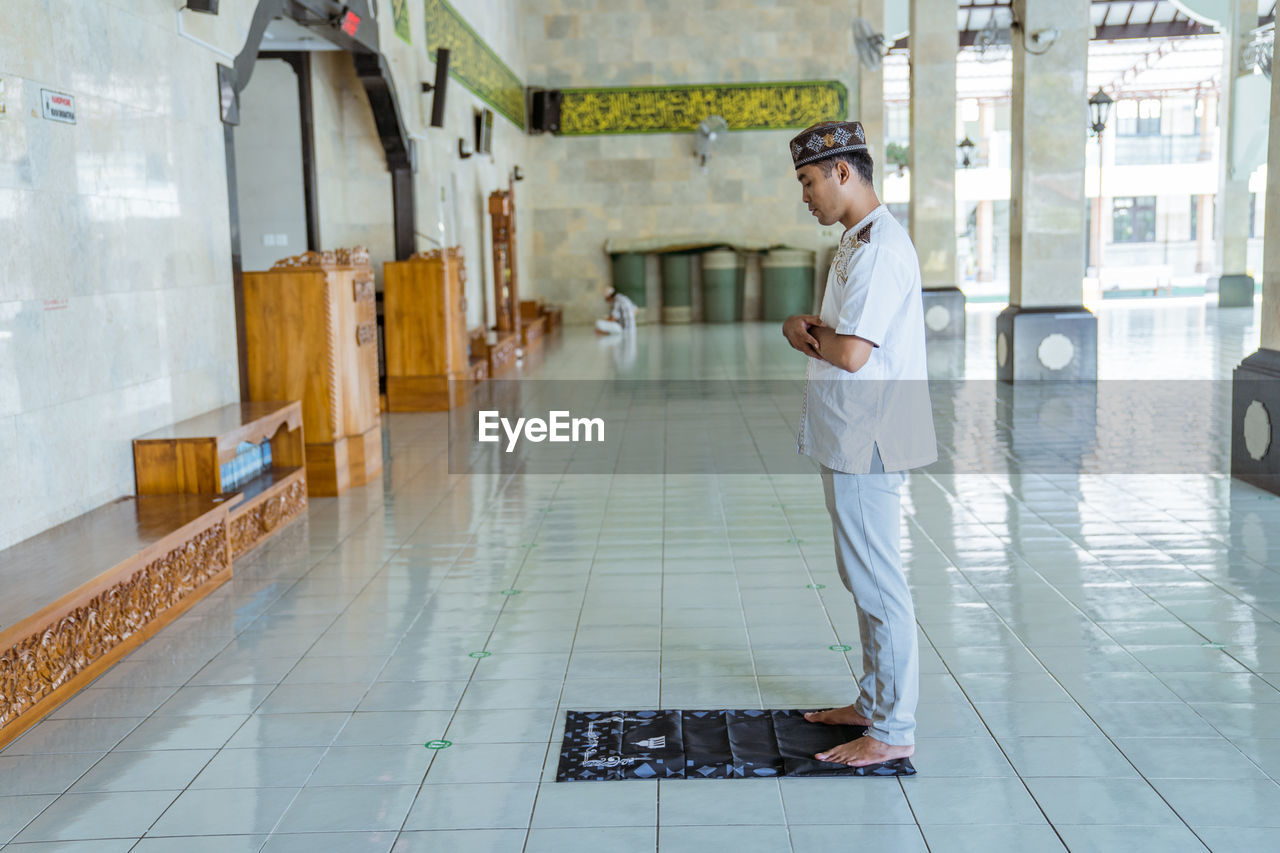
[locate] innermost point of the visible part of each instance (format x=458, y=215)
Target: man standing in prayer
x=866, y=420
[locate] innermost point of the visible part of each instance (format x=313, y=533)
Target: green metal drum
x=677, y=277
x=628, y=276
x=786, y=283
x=740, y=288
x=720, y=286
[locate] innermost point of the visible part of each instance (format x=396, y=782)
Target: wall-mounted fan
x=868, y=44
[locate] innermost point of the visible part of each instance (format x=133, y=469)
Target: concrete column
x=934, y=43
x=1046, y=333
x=1208, y=116
x=1271, y=231
x=986, y=121
x=871, y=96
x=1100, y=229
x=1204, y=233
x=1235, y=286
x=986, y=240
x=1255, y=405
x=1096, y=237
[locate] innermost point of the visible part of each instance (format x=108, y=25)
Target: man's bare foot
x=846, y=716
x=865, y=751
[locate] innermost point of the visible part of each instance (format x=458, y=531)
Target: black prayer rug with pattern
x=749, y=744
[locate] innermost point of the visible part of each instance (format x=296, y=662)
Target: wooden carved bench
x=497, y=348
x=81, y=595
x=193, y=456
x=552, y=317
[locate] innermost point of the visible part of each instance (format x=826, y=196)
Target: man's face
x=820, y=192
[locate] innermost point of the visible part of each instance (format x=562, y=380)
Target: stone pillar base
x=943, y=313
x=677, y=314
x=1235, y=291
x=1255, y=412
x=1046, y=343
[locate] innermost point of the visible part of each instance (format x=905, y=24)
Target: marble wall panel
x=116, y=310
x=651, y=185
x=353, y=185
x=269, y=181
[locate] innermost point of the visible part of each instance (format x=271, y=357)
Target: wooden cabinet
x=311, y=335
x=425, y=315
x=200, y=456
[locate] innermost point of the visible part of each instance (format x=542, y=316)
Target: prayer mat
x=606, y=745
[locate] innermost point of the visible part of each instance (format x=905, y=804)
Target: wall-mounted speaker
x=209, y=7
x=544, y=110
x=484, y=131
x=441, y=86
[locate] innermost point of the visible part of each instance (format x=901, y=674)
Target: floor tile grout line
x=1073, y=699
x=496, y=500
x=112, y=749
x=1095, y=623
x=338, y=615
x=560, y=714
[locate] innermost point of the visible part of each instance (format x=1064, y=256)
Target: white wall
x=116, y=306
x=269, y=188
x=116, y=309
x=353, y=186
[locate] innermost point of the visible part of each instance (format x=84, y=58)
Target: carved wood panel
x=250, y=528
x=37, y=666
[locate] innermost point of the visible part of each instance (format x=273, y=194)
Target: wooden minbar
x=203, y=455
x=425, y=308
x=311, y=335
x=81, y=595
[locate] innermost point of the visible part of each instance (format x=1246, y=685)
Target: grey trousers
x=865, y=514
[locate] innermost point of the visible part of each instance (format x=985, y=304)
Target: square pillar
x=871, y=96
x=1046, y=332
x=1235, y=121
x=934, y=43
x=1255, y=385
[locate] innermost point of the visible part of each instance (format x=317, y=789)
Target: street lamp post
x=966, y=147
x=1099, y=112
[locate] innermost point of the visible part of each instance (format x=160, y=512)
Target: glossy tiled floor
x=1101, y=654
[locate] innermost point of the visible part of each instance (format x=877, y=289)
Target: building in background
x=1160, y=162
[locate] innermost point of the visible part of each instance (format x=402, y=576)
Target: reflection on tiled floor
x=1101, y=654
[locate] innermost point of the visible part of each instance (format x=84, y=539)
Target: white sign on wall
x=58, y=107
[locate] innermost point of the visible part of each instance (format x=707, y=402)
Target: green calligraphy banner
x=473, y=63
x=673, y=109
